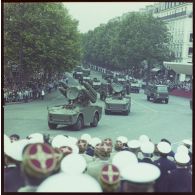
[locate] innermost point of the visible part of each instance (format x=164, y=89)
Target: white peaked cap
x=123, y=139
x=59, y=141
x=94, y=141
x=73, y=139
x=7, y=140
x=62, y=182
x=36, y=138
x=86, y=137
x=164, y=147
x=134, y=143
x=124, y=158
x=141, y=173
x=143, y=138
x=182, y=157
x=187, y=142
x=73, y=164
x=15, y=149
x=182, y=149
x=147, y=147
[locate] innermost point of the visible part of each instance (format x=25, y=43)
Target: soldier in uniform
x=165, y=166
x=39, y=161
x=134, y=146
x=13, y=178
x=147, y=149
x=139, y=177
x=180, y=179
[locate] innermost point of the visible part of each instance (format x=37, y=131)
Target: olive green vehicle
x=158, y=93
x=118, y=102
x=80, y=110
x=96, y=84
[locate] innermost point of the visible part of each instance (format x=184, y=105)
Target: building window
x=190, y=51
x=191, y=37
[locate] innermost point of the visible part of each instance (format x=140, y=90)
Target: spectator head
x=62, y=182
x=139, y=177
x=187, y=143
x=73, y=164
x=147, y=148
x=110, y=178
x=163, y=148
x=181, y=158
x=86, y=137
x=108, y=141
x=119, y=140
x=103, y=151
x=14, y=137
x=134, y=145
x=82, y=145
x=124, y=158
x=39, y=161
x=94, y=141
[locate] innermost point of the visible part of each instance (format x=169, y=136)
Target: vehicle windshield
x=162, y=89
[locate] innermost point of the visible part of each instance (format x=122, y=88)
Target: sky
x=92, y=14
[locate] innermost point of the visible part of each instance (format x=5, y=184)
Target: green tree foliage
x=124, y=42
x=40, y=36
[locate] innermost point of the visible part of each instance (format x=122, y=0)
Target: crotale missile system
x=80, y=110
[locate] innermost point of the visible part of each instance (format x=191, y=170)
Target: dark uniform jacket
x=165, y=166
x=13, y=179
x=179, y=180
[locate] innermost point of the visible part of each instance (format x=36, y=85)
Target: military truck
x=80, y=110
x=135, y=86
x=118, y=102
x=158, y=93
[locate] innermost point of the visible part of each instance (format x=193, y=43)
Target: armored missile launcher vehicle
x=80, y=110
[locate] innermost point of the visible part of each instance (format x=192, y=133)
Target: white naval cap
x=123, y=139
x=94, y=141
x=182, y=149
x=35, y=138
x=73, y=139
x=62, y=182
x=140, y=173
x=124, y=158
x=15, y=149
x=73, y=164
x=143, y=138
x=182, y=157
x=147, y=147
x=134, y=144
x=187, y=142
x=6, y=140
x=164, y=147
x=58, y=141
x=86, y=137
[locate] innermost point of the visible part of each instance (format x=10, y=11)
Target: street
x=172, y=121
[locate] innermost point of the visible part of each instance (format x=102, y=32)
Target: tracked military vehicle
x=119, y=101
x=80, y=109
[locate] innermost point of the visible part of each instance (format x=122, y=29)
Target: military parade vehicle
x=108, y=75
x=86, y=72
x=78, y=73
x=135, y=86
x=80, y=110
x=118, y=102
x=105, y=90
x=157, y=93
x=96, y=84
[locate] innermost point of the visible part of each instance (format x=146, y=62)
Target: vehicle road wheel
x=79, y=124
x=126, y=113
x=148, y=98
x=166, y=101
x=95, y=120
x=52, y=126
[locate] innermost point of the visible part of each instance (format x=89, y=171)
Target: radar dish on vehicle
x=72, y=93
x=117, y=87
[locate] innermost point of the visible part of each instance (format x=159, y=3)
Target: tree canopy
x=124, y=42
x=40, y=36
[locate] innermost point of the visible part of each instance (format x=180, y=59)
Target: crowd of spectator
x=32, y=90
x=61, y=163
